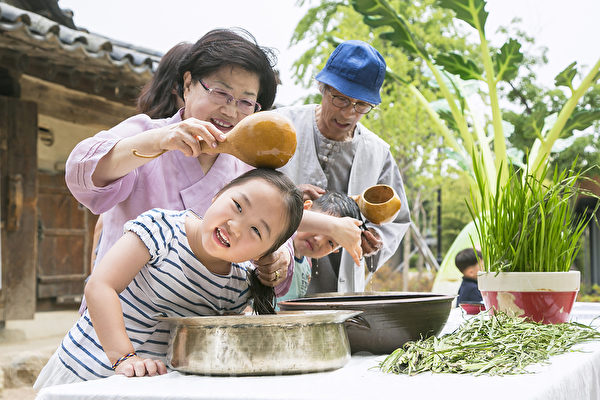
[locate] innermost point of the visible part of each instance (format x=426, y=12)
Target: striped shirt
x=174, y=282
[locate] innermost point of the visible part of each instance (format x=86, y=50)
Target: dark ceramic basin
x=389, y=319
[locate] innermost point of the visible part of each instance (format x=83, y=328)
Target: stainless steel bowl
x=284, y=343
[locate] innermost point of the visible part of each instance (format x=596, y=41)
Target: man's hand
x=311, y=192
x=371, y=242
x=273, y=268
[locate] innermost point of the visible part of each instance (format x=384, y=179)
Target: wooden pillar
x=18, y=170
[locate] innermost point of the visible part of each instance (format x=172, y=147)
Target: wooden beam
x=69, y=105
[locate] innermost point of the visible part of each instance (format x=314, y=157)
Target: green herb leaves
x=528, y=225
x=494, y=345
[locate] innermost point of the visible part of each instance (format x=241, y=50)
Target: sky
x=570, y=29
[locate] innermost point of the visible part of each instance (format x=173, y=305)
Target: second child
x=468, y=262
x=309, y=245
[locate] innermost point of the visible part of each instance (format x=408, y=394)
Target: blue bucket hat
x=356, y=70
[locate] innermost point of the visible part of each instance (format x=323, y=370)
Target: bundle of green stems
x=496, y=344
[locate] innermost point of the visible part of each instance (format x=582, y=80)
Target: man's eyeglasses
x=342, y=102
x=221, y=97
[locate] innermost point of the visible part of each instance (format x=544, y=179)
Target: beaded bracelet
x=120, y=360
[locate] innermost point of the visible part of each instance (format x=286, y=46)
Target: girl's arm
x=344, y=230
x=111, y=276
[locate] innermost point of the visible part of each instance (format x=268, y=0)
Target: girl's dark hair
x=337, y=204
x=157, y=98
x=222, y=47
x=289, y=193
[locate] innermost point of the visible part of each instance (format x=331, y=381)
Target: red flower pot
x=545, y=297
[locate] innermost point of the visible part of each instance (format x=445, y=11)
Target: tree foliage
x=399, y=119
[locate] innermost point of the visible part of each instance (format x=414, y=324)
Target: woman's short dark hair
x=222, y=47
x=157, y=98
x=290, y=194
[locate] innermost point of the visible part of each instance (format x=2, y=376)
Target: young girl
x=175, y=263
x=316, y=245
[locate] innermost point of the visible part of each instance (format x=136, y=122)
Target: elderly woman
x=336, y=152
x=146, y=163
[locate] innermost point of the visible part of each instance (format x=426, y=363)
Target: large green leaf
x=378, y=13
x=580, y=120
x=449, y=119
x=508, y=60
x=458, y=64
x=565, y=77
x=471, y=11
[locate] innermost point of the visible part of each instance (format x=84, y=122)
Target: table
x=570, y=376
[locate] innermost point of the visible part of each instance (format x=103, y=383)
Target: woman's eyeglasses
x=342, y=102
x=221, y=97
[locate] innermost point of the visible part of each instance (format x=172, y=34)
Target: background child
x=173, y=263
x=315, y=245
x=468, y=261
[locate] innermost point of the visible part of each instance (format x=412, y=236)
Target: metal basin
x=284, y=343
x=389, y=319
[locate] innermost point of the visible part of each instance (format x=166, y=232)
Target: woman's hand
x=310, y=192
x=187, y=135
x=272, y=268
x=348, y=234
x=137, y=366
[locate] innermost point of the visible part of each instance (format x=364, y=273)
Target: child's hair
x=467, y=258
x=157, y=98
x=290, y=194
x=337, y=204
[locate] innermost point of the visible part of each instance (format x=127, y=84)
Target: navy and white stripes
x=173, y=283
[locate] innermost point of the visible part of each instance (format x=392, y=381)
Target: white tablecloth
x=570, y=376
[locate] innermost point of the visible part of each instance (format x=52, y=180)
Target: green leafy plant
x=496, y=344
x=528, y=225
x=475, y=133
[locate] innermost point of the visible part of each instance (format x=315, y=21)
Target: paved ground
x=25, y=346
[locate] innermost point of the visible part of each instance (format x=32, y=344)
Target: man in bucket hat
x=336, y=152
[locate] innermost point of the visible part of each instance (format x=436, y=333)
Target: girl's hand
x=187, y=135
x=348, y=234
x=137, y=366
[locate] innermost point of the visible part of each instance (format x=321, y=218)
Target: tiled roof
x=34, y=38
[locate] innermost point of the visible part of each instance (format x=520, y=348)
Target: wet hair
x=467, y=258
x=157, y=98
x=289, y=193
x=337, y=204
x=228, y=47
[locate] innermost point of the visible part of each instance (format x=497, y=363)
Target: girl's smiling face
x=238, y=82
x=243, y=222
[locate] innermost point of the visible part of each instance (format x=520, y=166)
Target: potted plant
x=468, y=114
x=529, y=236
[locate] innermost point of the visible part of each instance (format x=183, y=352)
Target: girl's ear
x=307, y=205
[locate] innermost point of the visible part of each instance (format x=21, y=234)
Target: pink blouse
x=171, y=181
